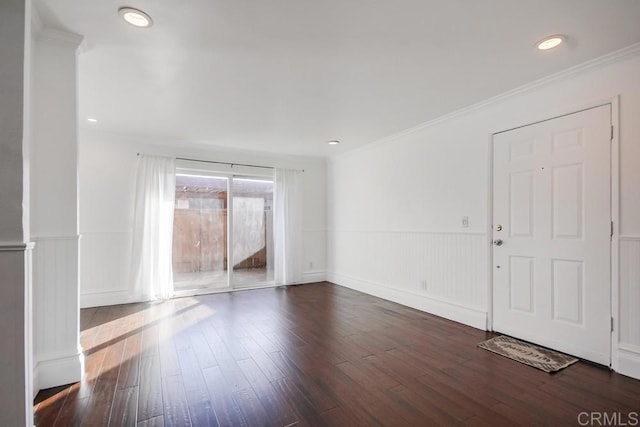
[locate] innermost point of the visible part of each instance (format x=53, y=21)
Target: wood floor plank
x=315, y=354
x=303, y=381
x=460, y=399
x=86, y=315
x=176, y=408
x=395, y=399
x=100, y=403
x=455, y=389
x=95, y=349
x=374, y=345
x=296, y=399
x=225, y=407
x=202, y=414
x=252, y=410
x=73, y=410
x=125, y=407
x=275, y=406
x=152, y=422
x=198, y=399
x=260, y=338
x=340, y=417
x=169, y=363
x=534, y=398
x=47, y=411
x=150, y=333
x=414, y=407
x=101, y=399
x=230, y=339
x=193, y=380
x=201, y=348
x=150, y=402
x=231, y=372
x=130, y=366
x=270, y=370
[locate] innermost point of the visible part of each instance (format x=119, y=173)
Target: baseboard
x=99, y=299
x=313, y=276
x=35, y=389
x=458, y=313
x=629, y=361
x=59, y=371
x=104, y=298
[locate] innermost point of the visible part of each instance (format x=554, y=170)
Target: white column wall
x=54, y=205
x=15, y=369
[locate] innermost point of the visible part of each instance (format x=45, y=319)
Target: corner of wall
x=313, y=276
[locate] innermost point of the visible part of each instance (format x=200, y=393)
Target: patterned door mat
x=529, y=354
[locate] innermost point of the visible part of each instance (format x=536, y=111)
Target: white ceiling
x=285, y=76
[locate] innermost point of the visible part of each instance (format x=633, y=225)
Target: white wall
x=54, y=210
x=107, y=172
x=12, y=42
x=15, y=375
x=395, y=206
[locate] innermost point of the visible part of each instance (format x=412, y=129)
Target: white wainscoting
x=105, y=265
x=16, y=316
x=444, y=273
x=314, y=253
x=629, y=321
x=58, y=356
x=32, y=382
x=105, y=268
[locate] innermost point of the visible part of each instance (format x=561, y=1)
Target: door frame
x=614, y=103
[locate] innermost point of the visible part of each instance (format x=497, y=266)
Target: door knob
x=497, y=242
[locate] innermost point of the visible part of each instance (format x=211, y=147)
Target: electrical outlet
x=465, y=222
x=310, y=264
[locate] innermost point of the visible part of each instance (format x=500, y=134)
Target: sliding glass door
x=252, y=231
x=219, y=218
x=200, y=233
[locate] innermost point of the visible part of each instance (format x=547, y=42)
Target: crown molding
x=610, y=58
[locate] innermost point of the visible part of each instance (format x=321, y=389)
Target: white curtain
x=287, y=228
x=153, y=228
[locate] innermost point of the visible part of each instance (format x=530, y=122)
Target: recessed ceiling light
x=333, y=142
x=135, y=17
x=92, y=120
x=550, y=42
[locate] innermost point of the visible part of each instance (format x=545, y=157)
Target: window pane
x=200, y=233
x=252, y=231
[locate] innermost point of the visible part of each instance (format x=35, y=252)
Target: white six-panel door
x=551, y=212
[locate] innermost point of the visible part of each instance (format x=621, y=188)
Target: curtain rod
x=226, y=163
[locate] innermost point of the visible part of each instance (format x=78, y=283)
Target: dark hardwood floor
x=314, y=354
